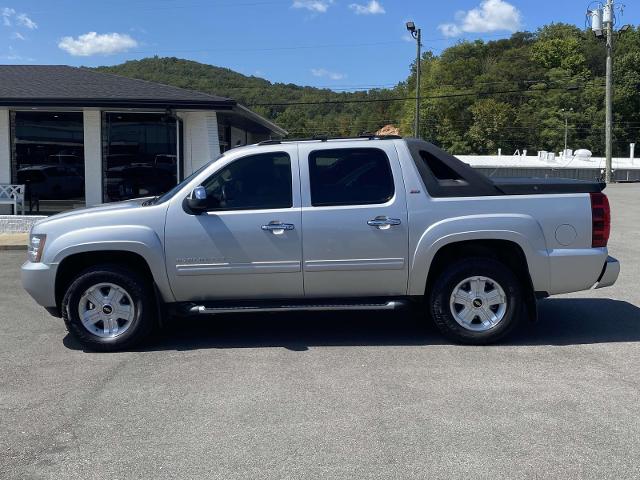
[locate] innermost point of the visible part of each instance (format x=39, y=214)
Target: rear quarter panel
x=553, y=231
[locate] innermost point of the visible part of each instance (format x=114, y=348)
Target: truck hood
x=104, y=208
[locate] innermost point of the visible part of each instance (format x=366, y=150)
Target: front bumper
x=39, y=280
x=609, y=274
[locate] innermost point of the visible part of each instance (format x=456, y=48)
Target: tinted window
x=439, y=169
x=350, y=176
x=252, y=183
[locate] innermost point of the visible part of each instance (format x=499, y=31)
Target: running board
x=389, y=305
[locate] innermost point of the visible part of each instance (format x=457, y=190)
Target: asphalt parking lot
x=331, y=395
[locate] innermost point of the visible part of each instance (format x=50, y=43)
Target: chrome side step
x=390, y=305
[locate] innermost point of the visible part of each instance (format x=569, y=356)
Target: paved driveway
x=331, y=395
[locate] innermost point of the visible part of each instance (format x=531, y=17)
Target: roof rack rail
x=270, y=142
x=326, y=138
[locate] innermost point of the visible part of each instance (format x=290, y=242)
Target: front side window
x=350, y=176
x=257, y=182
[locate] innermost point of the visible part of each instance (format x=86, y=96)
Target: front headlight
x=36, y=246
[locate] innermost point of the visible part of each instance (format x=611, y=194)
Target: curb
x=12, y=247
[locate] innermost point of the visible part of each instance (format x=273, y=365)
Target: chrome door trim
x=358, y=264
x=238, y=268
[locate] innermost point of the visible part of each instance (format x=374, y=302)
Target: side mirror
x=197, y=201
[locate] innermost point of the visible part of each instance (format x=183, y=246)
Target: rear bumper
x=609, y=274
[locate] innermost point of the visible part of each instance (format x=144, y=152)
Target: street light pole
x=566, y=129
x=417, y=34
x=566, y=132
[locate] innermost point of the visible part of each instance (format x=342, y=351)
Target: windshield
x=169, y=195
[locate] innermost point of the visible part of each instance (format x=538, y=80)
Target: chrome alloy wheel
x=106, y=310
x=478, y=303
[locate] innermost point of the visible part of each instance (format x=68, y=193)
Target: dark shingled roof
x=61, y=85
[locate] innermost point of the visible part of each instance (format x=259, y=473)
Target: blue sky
x=340, y=44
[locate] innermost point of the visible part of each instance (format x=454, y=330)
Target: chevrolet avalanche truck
x=372, y=223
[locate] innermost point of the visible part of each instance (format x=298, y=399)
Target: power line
x=399, y=99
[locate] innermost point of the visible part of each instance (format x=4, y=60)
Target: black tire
x=142, y=296
x=439, y=300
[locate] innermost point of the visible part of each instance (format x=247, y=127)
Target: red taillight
x=600, y=220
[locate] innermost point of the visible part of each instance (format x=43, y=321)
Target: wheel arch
x=507, y=252
x=518, y=233
x=125, y=255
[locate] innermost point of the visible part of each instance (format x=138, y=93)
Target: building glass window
x=48, y=158
x=140, y=155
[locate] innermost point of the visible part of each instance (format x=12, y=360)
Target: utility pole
x=608, y=23
x=603, y=19
x=417, y=34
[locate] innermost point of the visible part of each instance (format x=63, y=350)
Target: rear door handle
x=278, y=228
x=384, y=223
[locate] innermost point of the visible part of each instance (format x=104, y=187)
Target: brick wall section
x=17, y=223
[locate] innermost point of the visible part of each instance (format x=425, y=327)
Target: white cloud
x=9, y=16
x=18, y=36
x=317, y=6
x=372, y=8
x=7, y=13
x=97, y=44
x=322, y=72
x=25, y=21
x=489, y=16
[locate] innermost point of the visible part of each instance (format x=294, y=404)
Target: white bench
x=12, y=195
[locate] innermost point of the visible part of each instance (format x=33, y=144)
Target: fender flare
x=137, y=239
x=523, y=230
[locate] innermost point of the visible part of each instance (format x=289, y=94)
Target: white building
x=78, y=137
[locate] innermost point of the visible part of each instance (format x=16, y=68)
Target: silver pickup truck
x=372, y=223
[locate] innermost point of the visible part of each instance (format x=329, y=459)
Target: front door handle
x=384, y=223
x=278, y=228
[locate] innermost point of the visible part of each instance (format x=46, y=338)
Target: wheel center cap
x=477, y=303
x=107, y=309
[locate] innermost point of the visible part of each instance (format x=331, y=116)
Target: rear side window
x=441, y=170
x=350, y=176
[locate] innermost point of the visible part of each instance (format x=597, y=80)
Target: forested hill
x=479, y=96
x=311, y=117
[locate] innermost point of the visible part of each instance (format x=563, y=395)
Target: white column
x=213, y=139
x=201, y=143
x=5, y=147
x=92, y=157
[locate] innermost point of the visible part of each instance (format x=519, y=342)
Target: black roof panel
x=62, y=85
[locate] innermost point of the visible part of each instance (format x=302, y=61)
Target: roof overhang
x=112, y=103
x=245, y=112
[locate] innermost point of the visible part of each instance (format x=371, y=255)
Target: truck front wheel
x=476, y=301
x=108, y=308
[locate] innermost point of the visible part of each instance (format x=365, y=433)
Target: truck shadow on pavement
x=561, y=322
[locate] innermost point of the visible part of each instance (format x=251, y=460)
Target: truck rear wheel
x=108, y=308
x=476, y=301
